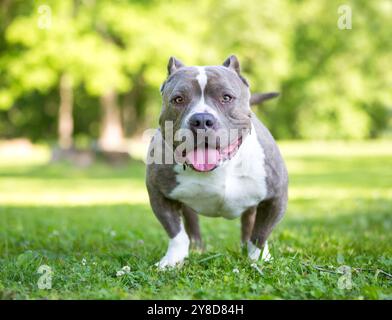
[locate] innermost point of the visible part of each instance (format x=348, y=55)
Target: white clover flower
x=54, y=233
x=253, y=265
x=84, y=261
x=126, y=269
x=120, y=273
x=112, y=233
x=235, y=270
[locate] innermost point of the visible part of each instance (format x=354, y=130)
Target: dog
x=241, y=175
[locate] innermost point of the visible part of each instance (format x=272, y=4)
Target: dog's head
x=208, y=109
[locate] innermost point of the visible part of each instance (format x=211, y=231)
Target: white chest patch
x=229, y=190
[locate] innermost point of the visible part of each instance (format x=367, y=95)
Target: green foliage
x=86, y=224
x=334, y=83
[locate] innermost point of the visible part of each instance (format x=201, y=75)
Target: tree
x=65, y=55
x=333, y=82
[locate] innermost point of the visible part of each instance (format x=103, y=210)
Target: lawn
x=87, y=224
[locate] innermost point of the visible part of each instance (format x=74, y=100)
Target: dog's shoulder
x=276, y=172
x=159, y=175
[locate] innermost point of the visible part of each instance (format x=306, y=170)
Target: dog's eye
x=178, y=100
x=226, y=98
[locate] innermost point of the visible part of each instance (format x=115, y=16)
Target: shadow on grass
x=101, y=229
x=135, y=169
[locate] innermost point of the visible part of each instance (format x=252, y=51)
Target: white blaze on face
x=201, y=106
x=202, y=79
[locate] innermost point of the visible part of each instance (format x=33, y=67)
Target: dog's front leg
x=168, y=213
x=268, y=214
x=247, y=224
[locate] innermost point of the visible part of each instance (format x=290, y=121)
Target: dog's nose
x=202, y=121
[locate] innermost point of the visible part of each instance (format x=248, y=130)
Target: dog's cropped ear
x=233, y=64
x=258, y=98
x=173, y=65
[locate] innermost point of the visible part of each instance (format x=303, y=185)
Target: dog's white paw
x=177, y=251
x=266, y=255
x=254, y=252
x=170, y=261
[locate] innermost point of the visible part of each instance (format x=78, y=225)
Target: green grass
x=86, y=224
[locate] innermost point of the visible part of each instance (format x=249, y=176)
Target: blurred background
x=86, y=73
x=79, y=84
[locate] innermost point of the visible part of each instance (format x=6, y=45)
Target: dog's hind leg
x=192, y=227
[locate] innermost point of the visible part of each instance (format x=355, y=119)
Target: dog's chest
x=229, y=190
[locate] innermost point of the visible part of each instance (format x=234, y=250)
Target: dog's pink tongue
x=203, y=159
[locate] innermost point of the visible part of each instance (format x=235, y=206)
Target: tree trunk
x=65, y=121
x=129, y=117
x=112, y=135
x=134, y=106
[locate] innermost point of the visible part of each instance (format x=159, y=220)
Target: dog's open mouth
x=204, y=158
